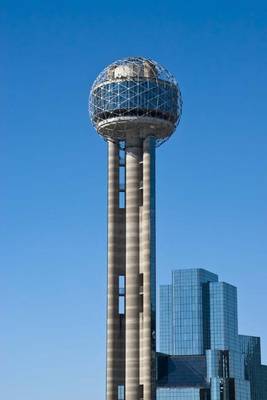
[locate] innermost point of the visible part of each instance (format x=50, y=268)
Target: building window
x=121, y=392
x=121, y=294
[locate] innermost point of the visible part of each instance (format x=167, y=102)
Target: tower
x=135, y=105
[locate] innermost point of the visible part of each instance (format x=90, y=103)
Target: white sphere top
x=135, y=97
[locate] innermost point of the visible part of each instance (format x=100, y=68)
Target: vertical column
x=113, y=290
x=133, y=151
x=149, y=273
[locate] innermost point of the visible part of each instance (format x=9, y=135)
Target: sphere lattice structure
x=133, y=97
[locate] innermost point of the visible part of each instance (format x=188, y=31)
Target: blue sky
x=211, y=175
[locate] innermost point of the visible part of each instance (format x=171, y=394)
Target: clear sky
x=211, y=176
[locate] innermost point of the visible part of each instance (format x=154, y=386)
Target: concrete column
x=112, y=284
x=148, y=267
x=133, y=151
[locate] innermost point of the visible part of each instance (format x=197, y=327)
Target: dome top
x=135, y=68
x=135, y=97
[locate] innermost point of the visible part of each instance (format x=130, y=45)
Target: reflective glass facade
x=136, y=97
x=223, y=316
x=264, y=380
x=185, y=312
x=198, y=316
x=181, y=394
x=182, y=371
x=242, y=389
x=250, y=347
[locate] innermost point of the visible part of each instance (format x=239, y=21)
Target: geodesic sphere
x=135, y=97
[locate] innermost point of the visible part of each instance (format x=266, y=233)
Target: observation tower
x=135, y=105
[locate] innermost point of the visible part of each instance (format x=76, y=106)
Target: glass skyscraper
x=184, y=312
x=202, y=356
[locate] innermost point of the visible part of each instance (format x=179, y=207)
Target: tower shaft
x=116, y=267
x=132, y=356
x=148, y=266
x=131, y=253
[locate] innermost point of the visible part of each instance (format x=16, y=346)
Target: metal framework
x=136, y=93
